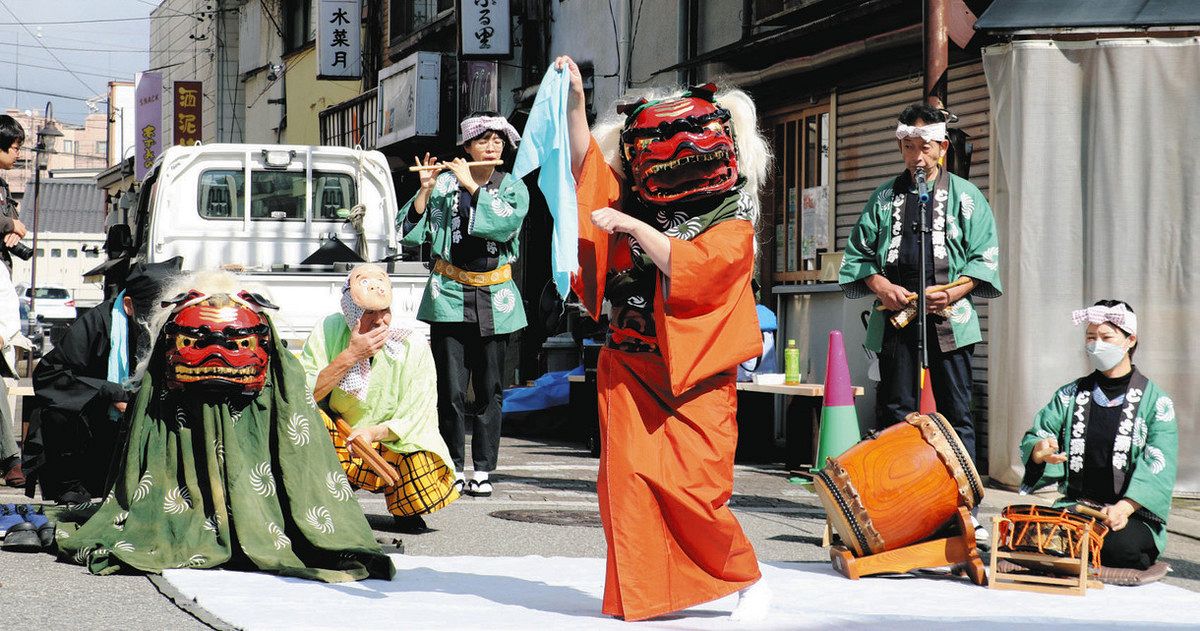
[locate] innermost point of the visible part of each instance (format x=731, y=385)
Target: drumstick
x=1084, y=509
x=441, y=165
x=369, y=456
x=933, y=290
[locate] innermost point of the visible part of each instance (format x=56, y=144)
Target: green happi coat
x=964, y=244
x=255, y=485
x=1148, y=446
x=401, y=394
x=496, y=214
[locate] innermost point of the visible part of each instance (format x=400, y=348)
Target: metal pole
x=40, y=148
x=937, y=52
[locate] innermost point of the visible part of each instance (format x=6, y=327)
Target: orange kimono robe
x=668, y=416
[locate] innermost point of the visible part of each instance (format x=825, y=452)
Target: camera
x=21, y=251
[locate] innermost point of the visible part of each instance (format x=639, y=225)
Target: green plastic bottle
x=791, y=363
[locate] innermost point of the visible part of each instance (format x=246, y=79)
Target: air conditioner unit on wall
x=409, y=100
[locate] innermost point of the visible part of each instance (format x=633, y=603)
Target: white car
x=51, y=302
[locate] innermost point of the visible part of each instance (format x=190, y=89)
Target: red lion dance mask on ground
x=679, y=149
x=218, y=343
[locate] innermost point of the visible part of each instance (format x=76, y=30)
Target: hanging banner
x=189, y=112
x=148, y=121
x=478, y=88
x=339, y=39
x=485, y=28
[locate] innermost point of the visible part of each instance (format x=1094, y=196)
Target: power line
x=60, y=96
x=36, y=39
x=29, y=65
x=199, y=15
x=104, y=50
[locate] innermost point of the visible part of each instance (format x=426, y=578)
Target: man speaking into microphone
x=962, y=263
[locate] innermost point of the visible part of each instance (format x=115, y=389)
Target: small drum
x=1053, y=532
x=899, y=487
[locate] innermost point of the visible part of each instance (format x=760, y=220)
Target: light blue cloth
x=118, y=348
x=546, y=144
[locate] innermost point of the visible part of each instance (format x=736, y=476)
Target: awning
x=1012, y=15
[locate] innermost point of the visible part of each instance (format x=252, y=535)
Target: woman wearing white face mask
x=1110, y=439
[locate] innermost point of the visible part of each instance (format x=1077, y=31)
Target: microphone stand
x=922, y=230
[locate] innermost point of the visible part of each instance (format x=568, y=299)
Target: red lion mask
x=679, y=149
x=218, y=343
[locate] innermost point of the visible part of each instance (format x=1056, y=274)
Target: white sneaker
x=754, y=603
x=983, y=540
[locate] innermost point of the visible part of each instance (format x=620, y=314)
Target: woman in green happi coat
x=471, y=215
x=1110, y=439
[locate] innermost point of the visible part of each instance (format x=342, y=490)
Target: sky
x=96, y=52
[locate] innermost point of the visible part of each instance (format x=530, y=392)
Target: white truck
x=263, y=211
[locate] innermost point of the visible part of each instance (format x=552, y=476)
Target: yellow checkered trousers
x=426, y=483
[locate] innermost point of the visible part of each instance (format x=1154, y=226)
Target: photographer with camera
x=12, y=135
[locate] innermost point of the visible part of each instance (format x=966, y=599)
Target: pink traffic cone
x=839, y=419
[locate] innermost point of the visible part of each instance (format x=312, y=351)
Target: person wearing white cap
x=1110, y=439
x=472, y=216
x=377, y=375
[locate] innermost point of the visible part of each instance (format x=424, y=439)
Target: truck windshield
x=274, y=195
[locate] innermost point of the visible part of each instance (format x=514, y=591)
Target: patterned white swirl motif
x=219, y=448
x=1041, y=433
x=505, y=300
x=297, y=430
x=1139, y=432
x=989, y=258
x=123, y=546
x=261, y=479
x=81, y=557
x=318, y=517
x=1164, y=409
x=210, y=524
x=500, y=208
x=312, y=401
x=492, y=248
x=1157, y=460
x=686, y=230
x=59, y=533
x=235, y=416
x=960, y=312
x=637, y=302
x=281, y=540
x=338, y=485
x=143, y=487
x=181, y=418
x=118, y=522
x=966, y=205
x=435, y=287
x=177, y=501
x=196, y=560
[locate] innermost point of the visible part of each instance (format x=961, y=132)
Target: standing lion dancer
x=666, y=236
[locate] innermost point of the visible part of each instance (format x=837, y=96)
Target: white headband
x=934, y=132
x=476, y=125
x=1121, y=317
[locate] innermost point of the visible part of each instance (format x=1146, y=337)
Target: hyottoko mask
x=217, y=343
x=679, y=149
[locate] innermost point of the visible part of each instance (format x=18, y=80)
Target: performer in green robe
x=378, y=376
x=472, y=216
x=226, y=461
x=882, y=257
x=1118, y=438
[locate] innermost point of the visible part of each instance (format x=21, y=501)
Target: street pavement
x=551, y=483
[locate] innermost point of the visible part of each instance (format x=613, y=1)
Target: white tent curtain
x=1096, y=188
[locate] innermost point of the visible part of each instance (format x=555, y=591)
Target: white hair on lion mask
x=753, y=153
x=205, y=281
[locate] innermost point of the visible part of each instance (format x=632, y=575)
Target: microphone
x=922, y=187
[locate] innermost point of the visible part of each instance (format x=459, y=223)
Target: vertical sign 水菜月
x=339, y=39
x=189, y=112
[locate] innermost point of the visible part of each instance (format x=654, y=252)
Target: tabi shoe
x=9, y=517
x=411, y=524
x=22, y=537
x=983, y=540
x=45, y=528
x=479, y=488
x=75, y=495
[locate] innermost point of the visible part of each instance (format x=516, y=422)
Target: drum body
x=1056, y=532
x=898, y=487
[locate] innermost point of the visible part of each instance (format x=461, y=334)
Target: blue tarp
x=550, y=390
